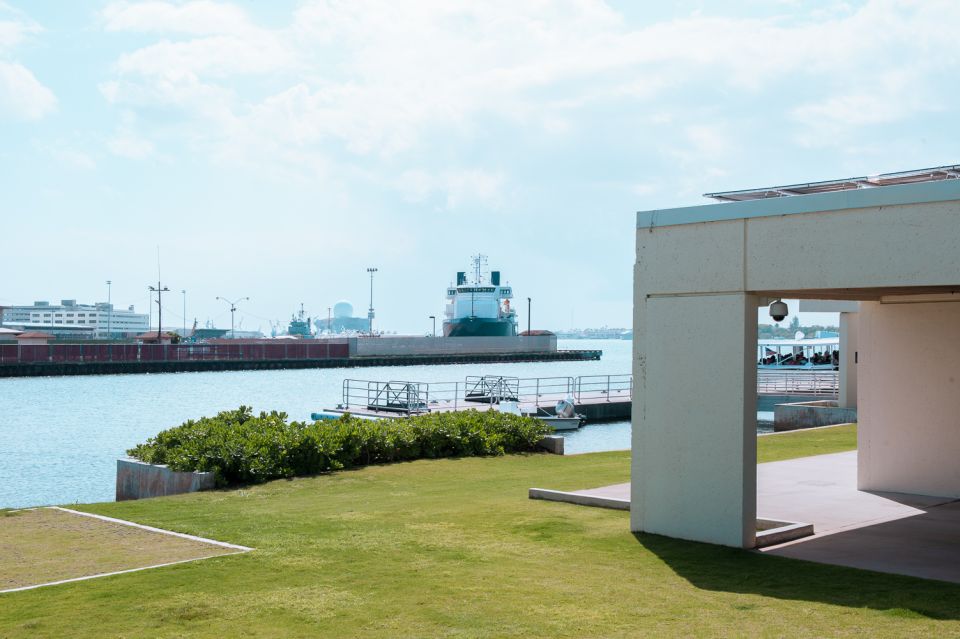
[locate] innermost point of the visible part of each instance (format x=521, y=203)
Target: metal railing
x=409, y=397
x=825, y=383
x=604, y=387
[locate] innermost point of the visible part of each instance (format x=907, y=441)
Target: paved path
x=888, y=532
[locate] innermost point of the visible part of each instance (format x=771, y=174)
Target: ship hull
x=479, y=327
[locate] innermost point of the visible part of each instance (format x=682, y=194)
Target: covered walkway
x=887, y=532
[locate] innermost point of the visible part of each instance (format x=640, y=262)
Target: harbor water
x=60, y=437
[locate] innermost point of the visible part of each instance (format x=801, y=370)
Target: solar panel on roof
x=951, y=172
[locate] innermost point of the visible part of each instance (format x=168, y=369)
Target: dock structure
x=596, y=397
x=95, y=358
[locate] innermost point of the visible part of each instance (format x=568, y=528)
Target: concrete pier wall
x=137, y=480
x=811, y=415
x=388, y=346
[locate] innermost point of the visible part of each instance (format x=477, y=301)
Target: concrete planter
x=811, y=415
x=138, y=480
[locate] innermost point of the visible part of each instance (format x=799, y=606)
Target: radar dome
x=343, y=309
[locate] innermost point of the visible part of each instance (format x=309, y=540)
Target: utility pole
x=184, y=291
x=370, y=314
x=159, y=290
x=434, y=318
x=329, y=321
x=528, y=316
x=109, y=310
x=233, y=309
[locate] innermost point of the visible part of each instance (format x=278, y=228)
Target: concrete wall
x=849, y=347
x=454, y=345
x=137, y=480
x=694, y=438
x=701, y=271
x=909, y=398
x=813, y=414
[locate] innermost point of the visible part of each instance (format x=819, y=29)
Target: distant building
x=69, y=319
x=343, y=321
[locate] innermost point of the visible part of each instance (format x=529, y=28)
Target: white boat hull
x=562, y=423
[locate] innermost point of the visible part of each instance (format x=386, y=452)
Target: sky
x=276, y=150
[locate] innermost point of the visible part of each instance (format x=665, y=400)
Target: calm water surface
x=60, y=437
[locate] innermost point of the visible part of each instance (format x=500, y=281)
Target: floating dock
x=596, y=397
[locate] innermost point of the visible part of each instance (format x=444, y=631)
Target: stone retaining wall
x=138, y=480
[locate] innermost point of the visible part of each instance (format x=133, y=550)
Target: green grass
x=804, y=443
x=453, y=548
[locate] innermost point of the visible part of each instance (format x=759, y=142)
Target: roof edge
x=920, y=193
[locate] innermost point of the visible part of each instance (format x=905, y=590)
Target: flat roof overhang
x=897, y=195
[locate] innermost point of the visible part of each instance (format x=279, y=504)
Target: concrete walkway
x=887, y=532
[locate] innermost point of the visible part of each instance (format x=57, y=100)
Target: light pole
x=109, y=310
x=233, y=309
x=159, y=290
x=528, y=316
x=434, y=318
x=184, y=291
x=371, y=271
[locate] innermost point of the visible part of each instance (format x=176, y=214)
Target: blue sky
x=275, y=150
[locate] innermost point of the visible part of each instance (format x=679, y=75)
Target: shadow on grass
x=731, y=570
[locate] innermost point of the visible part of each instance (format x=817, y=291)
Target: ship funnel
x=461, y=278
x=495, y=278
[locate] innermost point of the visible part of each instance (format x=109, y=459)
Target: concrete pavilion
x=890, y=242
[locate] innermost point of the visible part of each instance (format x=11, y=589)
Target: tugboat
x=480, y=308
x=300, y=325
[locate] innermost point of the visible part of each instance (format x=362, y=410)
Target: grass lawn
x=453, y=548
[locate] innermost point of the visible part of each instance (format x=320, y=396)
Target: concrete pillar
x=909, y=414
x=694, y=418
x=849, y=332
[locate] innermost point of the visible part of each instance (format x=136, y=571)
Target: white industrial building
x=889, y=243
x=70, y=319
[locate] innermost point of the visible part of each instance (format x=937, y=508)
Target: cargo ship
x=480, y=308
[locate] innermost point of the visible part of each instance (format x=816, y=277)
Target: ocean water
x=60, y=437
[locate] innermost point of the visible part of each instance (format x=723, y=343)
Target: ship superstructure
x=479, y=308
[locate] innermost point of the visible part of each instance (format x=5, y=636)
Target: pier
x=17, y=360
x=596, y=397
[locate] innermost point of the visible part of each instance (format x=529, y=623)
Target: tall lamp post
x=233, y=309
x=434, y=318
x=184, y=291
x=528, y=316
x=370, y=314
x=109, y=310
x=159, y=290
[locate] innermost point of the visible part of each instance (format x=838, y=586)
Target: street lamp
x=109, y=310
x=184, y=291
x=434, y=318
x=528, y=316
x=370, y=314
x=233, y=309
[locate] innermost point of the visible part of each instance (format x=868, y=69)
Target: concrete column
x=849, y=331
x=909, y=433
x=694, y=418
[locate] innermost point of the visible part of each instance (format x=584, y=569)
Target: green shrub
x=243, y=448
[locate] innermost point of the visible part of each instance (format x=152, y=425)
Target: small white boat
x=564, y=419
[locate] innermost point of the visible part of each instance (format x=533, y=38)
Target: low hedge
x=243, y=448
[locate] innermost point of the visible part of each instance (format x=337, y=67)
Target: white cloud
x=69, y=156
x=22, y=95
x=374, y=79
x=456, y=187
x=200, y=18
